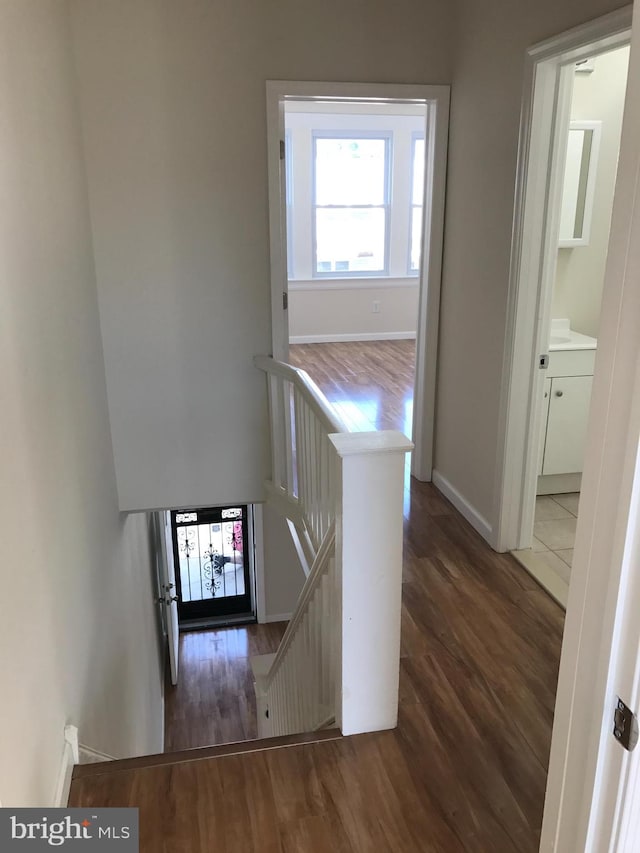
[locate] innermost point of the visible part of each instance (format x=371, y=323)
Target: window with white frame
x=351, y=203
x=354, y=193
x=417, y=198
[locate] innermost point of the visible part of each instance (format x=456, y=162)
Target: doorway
x=330, y=256
x=354, y=192
x=593, y=112
x=530, y=341
x=210, y=550
x=597, y=611
x=208, y=598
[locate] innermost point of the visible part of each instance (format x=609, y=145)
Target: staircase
x=186, y=756
x=342, y=492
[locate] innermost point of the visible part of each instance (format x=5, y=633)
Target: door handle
x=559, y=393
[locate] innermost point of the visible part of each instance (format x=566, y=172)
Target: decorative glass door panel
x=210, y=551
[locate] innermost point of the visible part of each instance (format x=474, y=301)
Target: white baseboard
x=92, y=756
x=477, y=521
x=70, y=757
x=278, y=617
x=558, y=484
x=351, y=336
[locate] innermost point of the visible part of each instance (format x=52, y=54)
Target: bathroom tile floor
x=551, y=554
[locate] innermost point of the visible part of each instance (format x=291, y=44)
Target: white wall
x=78, y=638
x=173, y=103
x=489, y=50
x=283, y=574
x=347, y=313
x=597, y=96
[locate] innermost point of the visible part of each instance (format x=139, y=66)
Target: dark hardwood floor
x=214, y=701
x=466, y=768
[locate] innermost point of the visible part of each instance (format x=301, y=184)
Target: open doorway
x=589, y=122
x=594, y=110
x=356, y=195
x=213, y=578
x=596, y=606
x=354, y=192
x=208, y=601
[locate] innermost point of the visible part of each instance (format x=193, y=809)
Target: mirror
x=579, y=183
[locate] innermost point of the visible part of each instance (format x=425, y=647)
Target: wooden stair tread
x=81, y=771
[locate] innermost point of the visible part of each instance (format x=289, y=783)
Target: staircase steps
x=162, y=759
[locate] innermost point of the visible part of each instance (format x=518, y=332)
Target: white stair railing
x=339, y=658
x=303, y=478
x=297, y=691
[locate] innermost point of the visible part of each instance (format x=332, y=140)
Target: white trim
x=68, y=760
x=386, y=136
x=596, y=128
x=542, y=146
x=352, y=336
x=361, y=283
x=251, y=528
x=258, y=541
x=299, y=545
x=586, y=787
x=278, y=617
x=477, y=521
x=424, y=397
x=618, y=818
x=437, y=100
x=92, y=756
x=558, y=484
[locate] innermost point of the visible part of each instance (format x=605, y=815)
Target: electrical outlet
x=375, y=308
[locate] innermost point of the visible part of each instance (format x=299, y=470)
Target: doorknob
x=559, y=393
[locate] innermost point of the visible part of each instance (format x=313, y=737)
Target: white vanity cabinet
x=567, y=413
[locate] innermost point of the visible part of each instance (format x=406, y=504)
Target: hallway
x=464, y=771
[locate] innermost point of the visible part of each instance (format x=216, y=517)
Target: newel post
x=369, y=525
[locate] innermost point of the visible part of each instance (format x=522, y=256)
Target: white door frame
x=542, y=150
x=436, y=99
x=593, y=788
x=167, y=596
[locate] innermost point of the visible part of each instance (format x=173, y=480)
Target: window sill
x=363, y=283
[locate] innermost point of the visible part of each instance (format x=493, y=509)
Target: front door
x=210, y=548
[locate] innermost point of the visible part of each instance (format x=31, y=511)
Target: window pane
x=350, y=240
x=350, y=171
x=418, y=171
x=416, y=236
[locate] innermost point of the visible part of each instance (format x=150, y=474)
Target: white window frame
x=415, y=137
x=387, y=137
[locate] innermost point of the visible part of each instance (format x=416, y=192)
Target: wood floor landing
x=464, y=771
x=214, y=701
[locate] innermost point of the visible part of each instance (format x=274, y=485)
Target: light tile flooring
x=551, y=554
